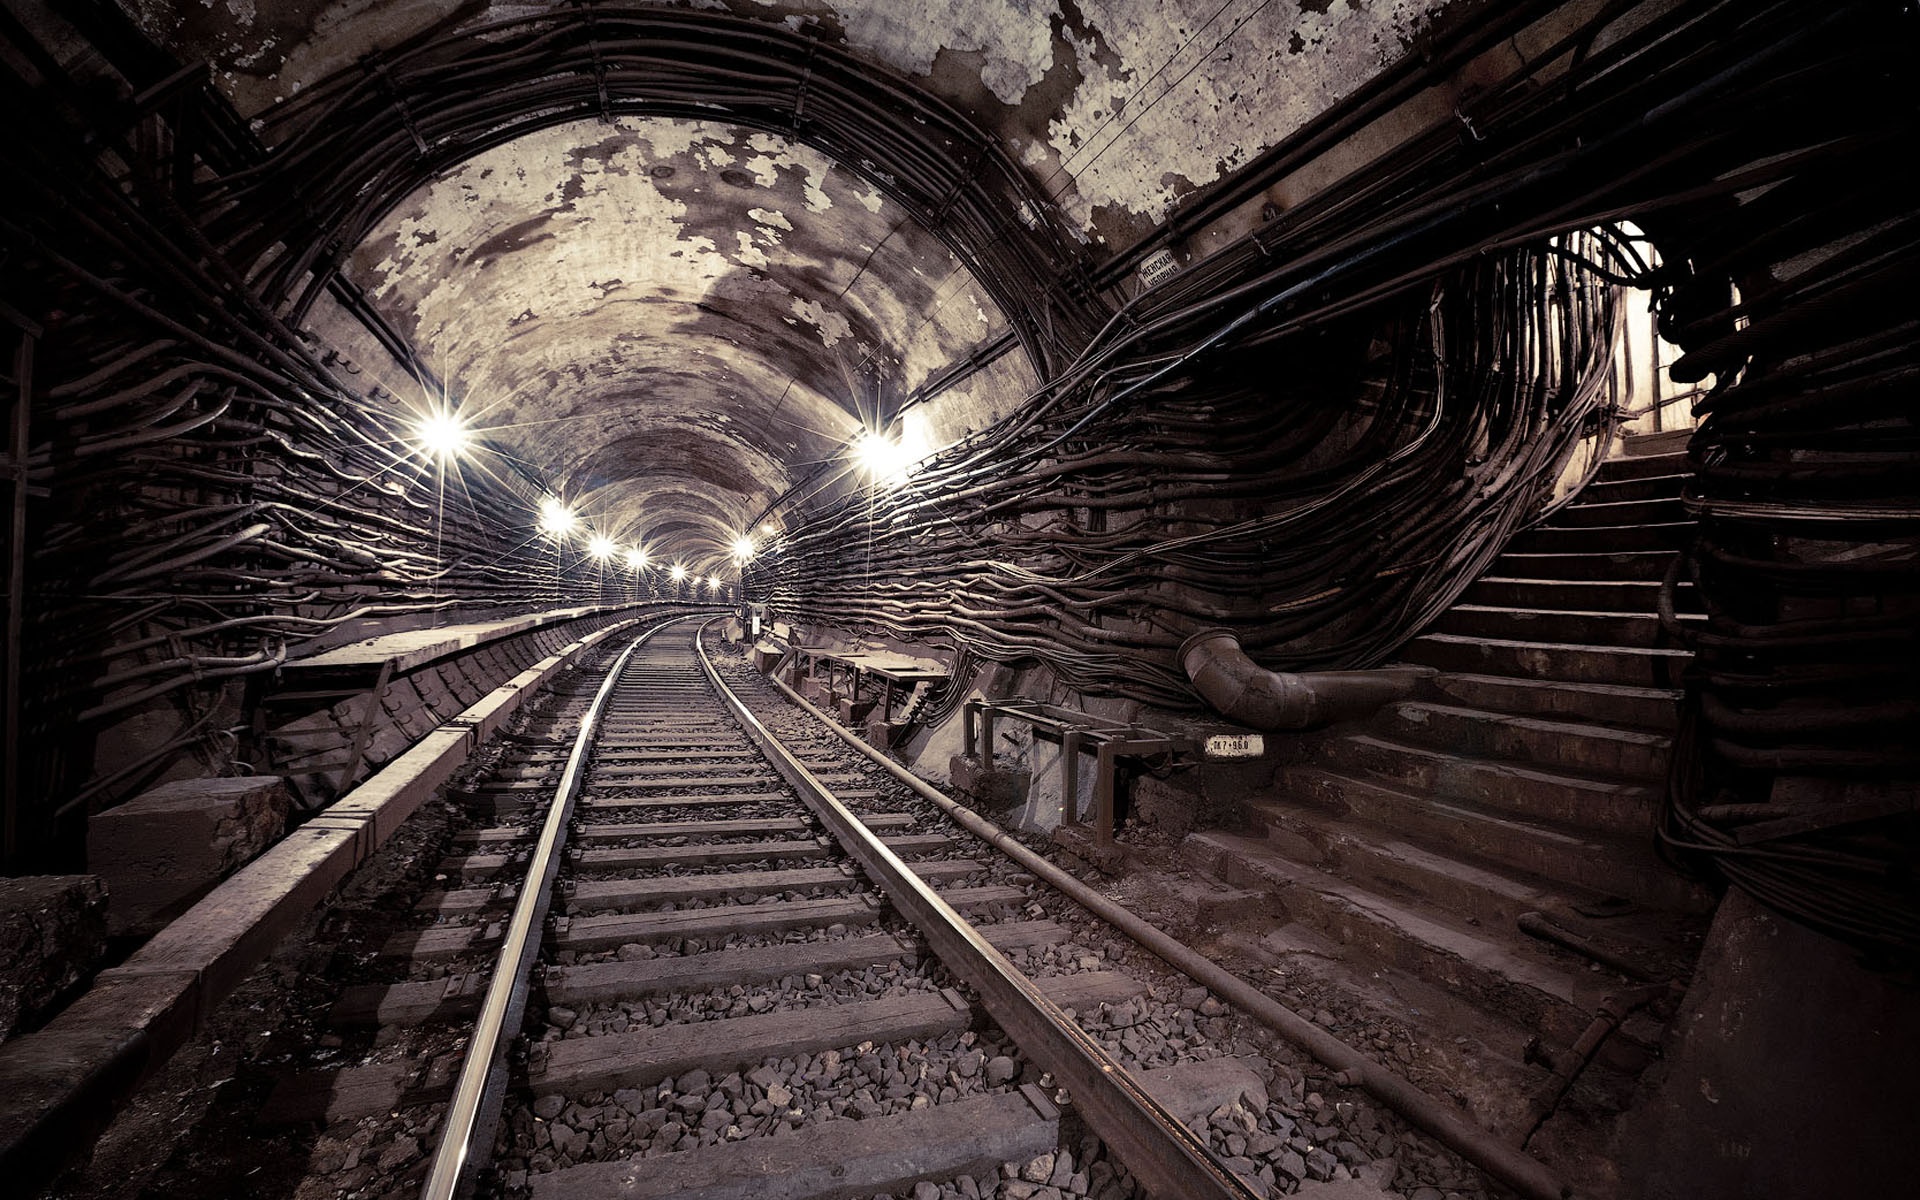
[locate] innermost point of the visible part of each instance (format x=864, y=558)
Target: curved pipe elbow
x=1242, y=690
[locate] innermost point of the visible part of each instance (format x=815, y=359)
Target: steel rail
x=1526, y=1175
x=481, y=1078
x=1160, y=1151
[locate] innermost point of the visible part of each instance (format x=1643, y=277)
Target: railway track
x=680, y=953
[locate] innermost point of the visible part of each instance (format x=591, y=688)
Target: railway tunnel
x=959, y=598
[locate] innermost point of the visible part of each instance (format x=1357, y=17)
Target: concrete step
x=1606, y=703
x=1602, y=805
x=1640, y=466
x=1577, y=746
x=1645, y=487
x=1667, y=441
x=1578, y=595
x=1629, y=564
x=1601, y=863
x=1489, y=895
x=1599, y=628
x=1534, y=988
x=1634, y=666
x=1587, y=511
x=1605, y=539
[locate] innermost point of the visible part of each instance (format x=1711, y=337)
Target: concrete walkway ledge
x=62, y=1085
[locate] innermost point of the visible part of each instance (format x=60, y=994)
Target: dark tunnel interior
x=1414, y=500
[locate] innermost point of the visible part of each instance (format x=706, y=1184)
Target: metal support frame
x=1111, y=739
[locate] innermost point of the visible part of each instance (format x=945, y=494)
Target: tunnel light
x=556, y=518
x=601, y=547
x=882, y=458
x=742, y=548
x=636, y=558
x=679, y=572
x=442, y=434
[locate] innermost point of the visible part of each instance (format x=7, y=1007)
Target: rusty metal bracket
x=1111, y=741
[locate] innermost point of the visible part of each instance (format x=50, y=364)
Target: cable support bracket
x=375, y=66
x=585, y=8
x=969, y=172
x=806, y=81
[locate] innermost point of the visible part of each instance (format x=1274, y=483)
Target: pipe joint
x=1242, y=690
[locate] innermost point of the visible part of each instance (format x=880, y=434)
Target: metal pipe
x=1243, y=690
x=1526, y=1175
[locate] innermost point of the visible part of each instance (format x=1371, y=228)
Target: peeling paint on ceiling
x=1122, y=106
x=670, y=319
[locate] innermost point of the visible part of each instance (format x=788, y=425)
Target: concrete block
x=852, y=712
x=61, y=1085
x=162, y=850
x=764, y=656
x=1192, y=1090
x=53, y=930
x=1169, y=804
x=991, y=786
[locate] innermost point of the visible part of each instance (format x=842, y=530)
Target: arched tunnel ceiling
x=670, y=320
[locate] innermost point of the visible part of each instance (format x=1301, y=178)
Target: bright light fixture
x=442, y=434
x=555, y=518
x=679, y=572
x=636, y=558
x=742, y=548
x=882, y=458
x=601, y=547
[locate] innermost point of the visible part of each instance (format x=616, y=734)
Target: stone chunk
x=165, y=848
x=989, y=784
x=53, y=929
x=1196, y=1089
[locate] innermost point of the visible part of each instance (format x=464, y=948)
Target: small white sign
x=1235, y=745
x=1158, y=267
